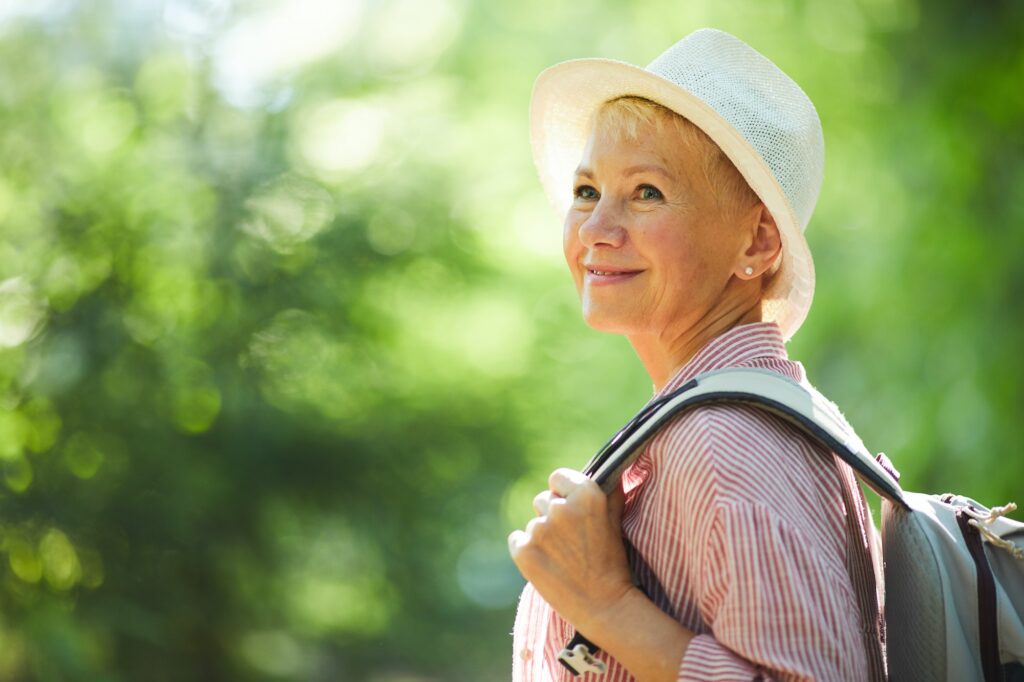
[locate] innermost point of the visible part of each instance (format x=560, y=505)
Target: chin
x=606, y=321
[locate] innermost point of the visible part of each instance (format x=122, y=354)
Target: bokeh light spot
x=23, y=558
x=102, y=124
x=83, y=456
x=60, y=561
x=410, y=35
x=196, y=407
x=288, y=211
x=194, y=19
x=340, y=137
x=275, y=653
x=22, y=312
x=14, y=430
x=268, y=45
x=18, y=474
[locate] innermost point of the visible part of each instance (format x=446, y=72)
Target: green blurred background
x=286, y=347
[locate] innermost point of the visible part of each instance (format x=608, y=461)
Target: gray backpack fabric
x=954, y=569
x=936, y=624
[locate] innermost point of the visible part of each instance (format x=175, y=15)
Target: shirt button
x=526, y=654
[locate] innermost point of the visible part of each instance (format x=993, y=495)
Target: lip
x=610, y=274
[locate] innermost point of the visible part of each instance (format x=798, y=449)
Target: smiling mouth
x=597, y=276
x=611, y=273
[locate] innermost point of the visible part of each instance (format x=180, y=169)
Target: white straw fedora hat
x=754, y=112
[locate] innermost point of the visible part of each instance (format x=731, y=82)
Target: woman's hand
x=573, y=552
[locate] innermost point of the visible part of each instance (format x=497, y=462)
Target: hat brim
x=566, y=95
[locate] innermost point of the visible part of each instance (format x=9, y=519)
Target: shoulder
x=726, y=435
x=737, y=454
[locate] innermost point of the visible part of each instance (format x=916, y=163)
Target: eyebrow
x=632, y=170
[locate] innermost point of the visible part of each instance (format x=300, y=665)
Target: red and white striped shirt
x=746, y=532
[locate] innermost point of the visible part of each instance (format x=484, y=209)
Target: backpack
x=954, y=569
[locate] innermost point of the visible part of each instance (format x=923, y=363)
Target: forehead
x=628, y=139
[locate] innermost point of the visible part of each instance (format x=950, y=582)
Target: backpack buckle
x=580, y=661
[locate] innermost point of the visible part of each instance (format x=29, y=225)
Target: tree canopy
x=286, y=341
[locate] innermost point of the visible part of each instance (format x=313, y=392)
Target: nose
x=603, y=226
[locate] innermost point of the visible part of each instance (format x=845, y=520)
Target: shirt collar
x=735, y=347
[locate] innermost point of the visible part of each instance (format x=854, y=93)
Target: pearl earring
x=748, y=271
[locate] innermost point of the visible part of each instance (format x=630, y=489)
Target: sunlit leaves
x=286, y=345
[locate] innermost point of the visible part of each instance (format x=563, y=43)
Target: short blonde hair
x=626, y=114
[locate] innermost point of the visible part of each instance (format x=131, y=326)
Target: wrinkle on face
x=660, y=255
x=684, y=247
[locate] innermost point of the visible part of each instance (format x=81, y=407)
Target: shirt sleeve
x=777, y=606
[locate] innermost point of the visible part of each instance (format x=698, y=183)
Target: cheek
x=685, y=243
x=672, y=248
x=571, y=248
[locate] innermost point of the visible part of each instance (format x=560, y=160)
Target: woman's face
x=645, y=240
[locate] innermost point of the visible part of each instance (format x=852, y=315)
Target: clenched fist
x=572, y=551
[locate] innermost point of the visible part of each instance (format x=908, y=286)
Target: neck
x=663, y=354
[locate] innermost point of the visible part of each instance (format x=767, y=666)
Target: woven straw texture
x=756, y=114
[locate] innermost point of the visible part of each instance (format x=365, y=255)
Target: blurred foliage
x=285, y=343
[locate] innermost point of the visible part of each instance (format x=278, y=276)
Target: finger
x=516, y=539
x=542, y=501
x=564, y=482
x=534, y=526
x=556, y=506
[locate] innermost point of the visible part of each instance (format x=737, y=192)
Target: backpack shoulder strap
x=799, y=403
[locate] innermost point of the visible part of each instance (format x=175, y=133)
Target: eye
x=650, y=193
x=585, y=192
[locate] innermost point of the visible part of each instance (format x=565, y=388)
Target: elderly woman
x=686, y=187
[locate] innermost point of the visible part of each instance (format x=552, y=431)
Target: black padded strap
x=988, y=625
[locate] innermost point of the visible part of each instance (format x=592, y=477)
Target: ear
x=762, y=244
